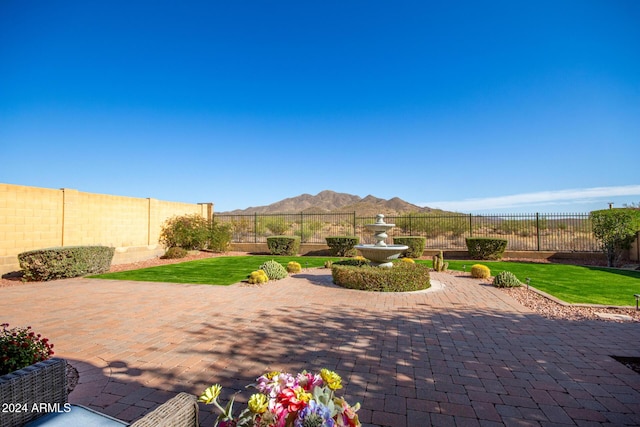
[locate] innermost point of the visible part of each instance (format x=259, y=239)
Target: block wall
x=36, y=218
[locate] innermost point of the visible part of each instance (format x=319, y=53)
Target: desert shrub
x=328, y=264
x=274, y=270
x=486, y=247
x=258, y=276
x=342, y=245
x=615, y=229
x=416, y=245
x=404, y=276
x=294, y=267
x=21, y=347
x=70, y=261
x=283, y=245
x=506, y=279
x=175, y=253
x=276, y=225
x=220, y=236
x=480, y=271
x=190, y=232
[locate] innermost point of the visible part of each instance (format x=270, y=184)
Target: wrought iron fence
x=569, y=232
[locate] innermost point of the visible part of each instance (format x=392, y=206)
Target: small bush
x=190, y=232
x=70, y=261
x=403, y=277
x=328, y=264
x=506, y=279
x=220, y=236
x=407, y=260
x=257, y=277
x=175, y=253
x=342, y=245
x=486, y=247
x=274, y=270
x=480, y=271
x=416, y=245
x=283, y=245
x=294, y=267
x=21, y=347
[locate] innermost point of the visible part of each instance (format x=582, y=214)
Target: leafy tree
x=615, y=229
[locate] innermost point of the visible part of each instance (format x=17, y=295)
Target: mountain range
x=328, y=201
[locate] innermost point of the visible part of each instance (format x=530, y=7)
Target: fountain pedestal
x=380, y=254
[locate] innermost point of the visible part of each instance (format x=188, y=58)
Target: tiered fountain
x=380, y=254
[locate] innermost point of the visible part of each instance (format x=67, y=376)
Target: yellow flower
x=302, y=395
x=210, y=394
x=271, y=375
x=333, y=380
x=258, y=403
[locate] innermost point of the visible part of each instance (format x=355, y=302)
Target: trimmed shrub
x=506, y=279
x=355, y=262
x=407, y=260
x=486, y=247
x=480, y=271
x=283, y=245
x=328, y=264
x=342, y=245
x=258, y=276
x=190, y=232
x=416, y=245
x=294, y=267
x=403, y=277
x=175, y=253
x=70, y=261
x=274, y=270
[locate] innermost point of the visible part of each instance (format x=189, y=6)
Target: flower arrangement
x=285, y=400
x=21, y=347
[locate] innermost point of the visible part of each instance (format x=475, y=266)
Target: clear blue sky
x=474, y=106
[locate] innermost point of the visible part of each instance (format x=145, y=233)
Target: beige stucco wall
x=36, y=218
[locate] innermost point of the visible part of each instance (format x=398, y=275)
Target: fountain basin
x=381, y=256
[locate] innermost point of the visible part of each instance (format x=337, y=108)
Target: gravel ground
x=527, y=297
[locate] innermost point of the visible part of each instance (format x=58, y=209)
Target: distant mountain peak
x=331, y=201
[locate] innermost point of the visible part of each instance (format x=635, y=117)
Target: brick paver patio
x=467, y=355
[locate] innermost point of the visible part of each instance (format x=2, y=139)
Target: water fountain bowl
x=380, y=254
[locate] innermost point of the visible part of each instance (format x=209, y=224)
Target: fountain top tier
x=379, y=229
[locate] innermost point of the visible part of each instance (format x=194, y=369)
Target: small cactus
x=258, y=276
x=438, y=262
x=480, y=271
x=407, y=260
x=294, y=267
x=328, y=264
x=274, y=270
x=506, y=279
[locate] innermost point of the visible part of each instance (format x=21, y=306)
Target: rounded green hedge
x=402, y=277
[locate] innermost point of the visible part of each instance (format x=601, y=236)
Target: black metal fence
x=526, y=232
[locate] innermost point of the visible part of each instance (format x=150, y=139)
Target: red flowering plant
x=285, y=400
x=21, y=347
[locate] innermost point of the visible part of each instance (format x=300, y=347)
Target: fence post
x=354, y=223
x=538, y=229
x=301, y=227
x=470, y=225
x=255, y=227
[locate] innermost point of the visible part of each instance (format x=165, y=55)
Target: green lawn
x=209, y=271
x=570, y=283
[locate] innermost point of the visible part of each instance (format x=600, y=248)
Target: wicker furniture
x=45, y=385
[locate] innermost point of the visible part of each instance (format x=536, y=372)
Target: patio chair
x=37, y=396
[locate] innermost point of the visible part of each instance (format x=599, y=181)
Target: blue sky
x=473, y=106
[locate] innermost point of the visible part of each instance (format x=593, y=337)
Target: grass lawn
x=570, y=283
x=210, y=271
